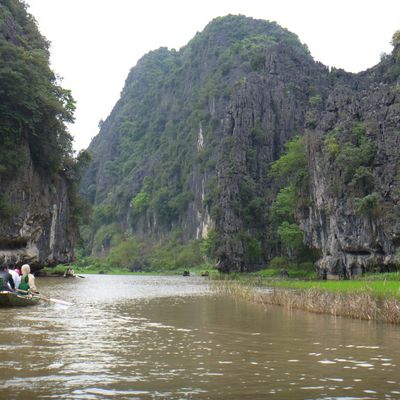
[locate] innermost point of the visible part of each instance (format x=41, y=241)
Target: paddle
x=67, y=303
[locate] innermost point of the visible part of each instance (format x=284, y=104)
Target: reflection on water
x=129, y=337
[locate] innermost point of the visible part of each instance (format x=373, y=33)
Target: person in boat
x=15, y=275
x=69, y=273
x=6, y=281
x=27, y=279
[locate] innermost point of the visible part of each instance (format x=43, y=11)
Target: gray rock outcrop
x=353, y=239
x=39, y=229
x=189, y=146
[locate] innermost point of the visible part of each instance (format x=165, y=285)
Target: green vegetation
x=352, y=154
x=382, y=276
x=7, y=207
x=291, y=236
x=392, y=62
x=167, y=133
x=282, y=268
x=291, y=169
x=34, y=109
x=370, y=297
x=368, y=204
x=57, y=270
x=138, y=254
x=292, y=166
x=141, y=202
x=32, y=104
x=382, y=288
x=285, y=204
x=396, y=39
x=331, y=144
x=90, y=265
x=315, y=100
x=377, y=301
x=301, y=277
x=159, y=149
x=356, y=151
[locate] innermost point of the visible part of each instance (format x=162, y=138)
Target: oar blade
x=66, y=303
x=41, y=296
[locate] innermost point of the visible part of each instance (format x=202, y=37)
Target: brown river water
x=144, y=337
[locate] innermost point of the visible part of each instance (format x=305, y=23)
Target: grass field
x=381, y=288
x=378, y=301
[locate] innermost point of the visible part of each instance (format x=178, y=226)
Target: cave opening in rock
x=12, y=244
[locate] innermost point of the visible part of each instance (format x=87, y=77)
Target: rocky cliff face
x=188, y=150
x=354, y=214
x=154, y=160
x=266, y=111
x=39, y=228
x=351, y=127
x=37, y=186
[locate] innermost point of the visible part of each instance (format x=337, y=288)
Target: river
x=148, y=337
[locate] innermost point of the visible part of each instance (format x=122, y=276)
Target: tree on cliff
x=33, y=107
x=39, y=174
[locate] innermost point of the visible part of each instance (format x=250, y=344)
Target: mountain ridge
x=197, y=129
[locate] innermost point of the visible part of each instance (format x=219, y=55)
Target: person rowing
x=28, y=288
x=27, y=279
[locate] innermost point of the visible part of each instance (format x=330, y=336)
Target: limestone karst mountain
x=191, y=154
x=38, y=175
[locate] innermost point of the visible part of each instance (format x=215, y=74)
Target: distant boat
x=9, y=299
x=69, y=273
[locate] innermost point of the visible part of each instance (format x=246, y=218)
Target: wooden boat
x=8, y=299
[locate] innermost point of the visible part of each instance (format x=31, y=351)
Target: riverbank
x=366, y=300
x=59, y=270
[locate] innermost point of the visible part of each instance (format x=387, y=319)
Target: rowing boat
x=9, y=299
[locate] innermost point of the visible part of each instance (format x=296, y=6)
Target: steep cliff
x=154, y=160
x=187, y=152
x=37, y=223
x=265, y=111
x=354, y=173
x=346, y=206
x=38, y=175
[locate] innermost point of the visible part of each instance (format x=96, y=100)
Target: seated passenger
x=27, y=279
x=6, y=281
x=15, y=275
x=69, y=273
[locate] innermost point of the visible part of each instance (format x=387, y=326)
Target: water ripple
x=168, y=338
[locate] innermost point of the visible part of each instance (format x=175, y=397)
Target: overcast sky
x=96, y=42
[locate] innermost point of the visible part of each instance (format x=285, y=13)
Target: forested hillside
x=38, y=174
x=187, y=166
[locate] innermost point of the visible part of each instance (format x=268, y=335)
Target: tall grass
x=381, y=289
x=328, y=298
x=383, y=276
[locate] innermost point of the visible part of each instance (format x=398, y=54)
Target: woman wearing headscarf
x=27, y=279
